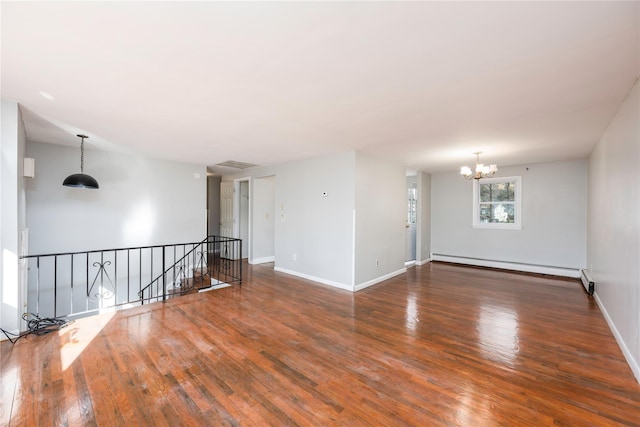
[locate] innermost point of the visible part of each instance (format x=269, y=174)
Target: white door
x=410, y=254
x=412, y=213
x=226, y=209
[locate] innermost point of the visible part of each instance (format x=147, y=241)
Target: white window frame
x=517, y=224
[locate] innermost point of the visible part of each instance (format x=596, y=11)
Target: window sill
x=498, y=226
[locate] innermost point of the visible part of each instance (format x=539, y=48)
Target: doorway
x=213, y=205
x=412, y=214
x=243, y=216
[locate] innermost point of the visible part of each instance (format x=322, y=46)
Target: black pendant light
x=81, y=179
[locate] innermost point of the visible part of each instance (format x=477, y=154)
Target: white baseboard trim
x=410, y=263
x=315, y=279
x=508, y=265
x=633, y=364
x=262, y=260
x=380, y=279
x=219, y=285
x=423, y=262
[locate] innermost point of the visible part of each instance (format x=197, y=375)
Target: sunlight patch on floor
x=10, y=383
x=78, y=335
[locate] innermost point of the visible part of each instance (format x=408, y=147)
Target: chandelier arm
x=481, y=170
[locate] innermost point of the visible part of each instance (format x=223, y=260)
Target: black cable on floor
x=37, y=325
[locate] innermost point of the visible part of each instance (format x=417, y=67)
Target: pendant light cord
x=82, y=156
x=82, y=153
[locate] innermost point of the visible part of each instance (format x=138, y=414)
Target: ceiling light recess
x=236, y=164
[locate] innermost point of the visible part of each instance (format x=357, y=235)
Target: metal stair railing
x=70, y=284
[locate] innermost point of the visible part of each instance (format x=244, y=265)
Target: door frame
x=236, y=213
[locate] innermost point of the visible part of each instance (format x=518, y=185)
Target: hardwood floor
x=441, y=345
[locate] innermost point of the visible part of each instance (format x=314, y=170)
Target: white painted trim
x=633, y=364
x=74, y=316
x=423, y=262
x=315, y=279
x=353, y=248
x=220, y=285
x=507, y=265
x=380, y=279
x=408, y=264
x=262, y=260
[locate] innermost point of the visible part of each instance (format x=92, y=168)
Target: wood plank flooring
x=442, y=345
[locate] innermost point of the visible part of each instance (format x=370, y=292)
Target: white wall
x=423, y=220
x=614, y=226
x=316, y=229
x=140, y=201
x=12, y=216
x=553, y=230
x=320, y=230
x=381, y=213
x=263, y=220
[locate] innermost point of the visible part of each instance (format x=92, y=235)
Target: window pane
x=412, y=195
x=485, y=192
x=502, y=192
x=501, y=213
x=498, y=192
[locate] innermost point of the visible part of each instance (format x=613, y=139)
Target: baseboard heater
x=509, y=265
x=587, y=281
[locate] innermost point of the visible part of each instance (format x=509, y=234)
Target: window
x=496, y=203
x=412, y=197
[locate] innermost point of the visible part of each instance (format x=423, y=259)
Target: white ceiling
x=422, y=83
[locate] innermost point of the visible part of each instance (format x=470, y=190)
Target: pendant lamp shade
x=81, y=180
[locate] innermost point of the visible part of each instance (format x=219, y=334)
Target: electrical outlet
x=294, y=257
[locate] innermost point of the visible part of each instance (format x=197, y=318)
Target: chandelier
x=482, y=171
